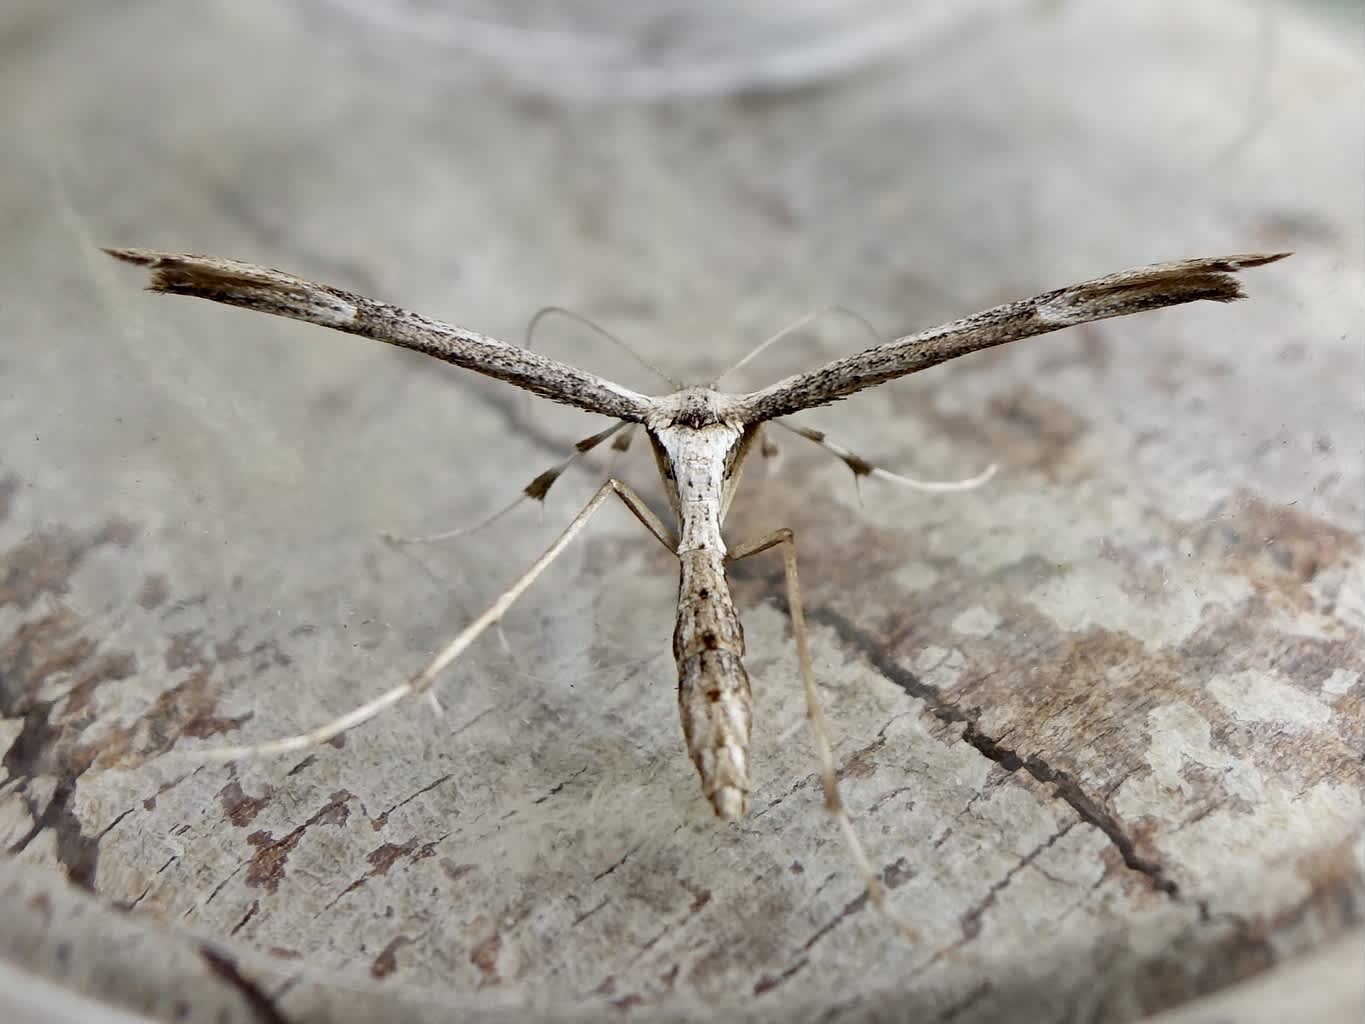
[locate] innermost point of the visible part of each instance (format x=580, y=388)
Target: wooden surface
x=1100, y=723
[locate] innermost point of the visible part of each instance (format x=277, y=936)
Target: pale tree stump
x=1100, y=722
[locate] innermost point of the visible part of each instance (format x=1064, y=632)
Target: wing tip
x=140, y=257
x=1255, y=259
x=1230, y=288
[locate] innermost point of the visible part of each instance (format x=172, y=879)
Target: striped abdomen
x=713, y=688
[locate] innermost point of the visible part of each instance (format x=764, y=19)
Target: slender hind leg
x=828, y=776
x=423, y=680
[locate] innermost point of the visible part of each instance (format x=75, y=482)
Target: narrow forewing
x=270, y=291
x=1129, y=291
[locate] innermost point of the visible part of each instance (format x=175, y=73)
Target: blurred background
x=1101, y=723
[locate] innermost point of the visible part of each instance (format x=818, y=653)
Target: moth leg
x=829, y=778
x=536, y=490
x=768, y=449
x=861, y=467
x=423, y=681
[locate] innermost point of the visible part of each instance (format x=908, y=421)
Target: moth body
x=700, y=438
x=700, y=467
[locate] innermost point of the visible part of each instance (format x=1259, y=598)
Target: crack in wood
x=607, y=871
x=769, y=982
x=850, y=908
x=382, y=819
x=1064, y=786
x=971, y=919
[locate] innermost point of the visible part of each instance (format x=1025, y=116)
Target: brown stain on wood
x=266, y=867
x=51, y=647
x=239, y=808
x=62, y=735
x=485, y=942
x=383, y=858
x=43, y=563
x=1277, y=547
x=387, y=960
x=454, y=871
x=41, y=652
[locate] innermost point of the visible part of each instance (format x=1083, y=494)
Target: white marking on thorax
x=698, y=456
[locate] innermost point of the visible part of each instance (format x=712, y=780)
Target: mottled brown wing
x=1129, y=291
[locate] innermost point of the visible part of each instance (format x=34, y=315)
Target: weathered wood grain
x=1101, y=722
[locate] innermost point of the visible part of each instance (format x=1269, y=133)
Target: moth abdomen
x=714, y=699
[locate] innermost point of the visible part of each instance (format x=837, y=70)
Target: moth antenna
x=600, y=331
x=795, y=326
